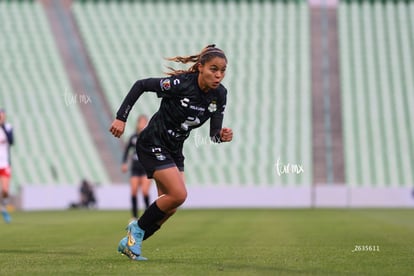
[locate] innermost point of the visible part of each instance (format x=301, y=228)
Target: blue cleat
x=135, y=236
x=123, y=249
x=6, y=216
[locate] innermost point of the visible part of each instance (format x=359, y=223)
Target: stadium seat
x=53, y=145
x=377, y=85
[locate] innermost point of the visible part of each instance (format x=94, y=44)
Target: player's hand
x=226, y=134
x=124, y=168
x=117, y=128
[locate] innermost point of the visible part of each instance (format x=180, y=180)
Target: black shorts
x=137, y=169
x=155, y=158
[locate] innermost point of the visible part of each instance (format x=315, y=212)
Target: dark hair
x=207, y=53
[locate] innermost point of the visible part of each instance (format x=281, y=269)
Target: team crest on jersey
x=165, y=84
x=212, y=107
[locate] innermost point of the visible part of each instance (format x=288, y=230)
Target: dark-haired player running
x=189, y=98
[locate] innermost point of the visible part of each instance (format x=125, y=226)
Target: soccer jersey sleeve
x=164, y=87
x=216, y=120
x=139, y=87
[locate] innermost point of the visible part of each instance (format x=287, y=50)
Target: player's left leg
x=123, y=249
x=5, y=181
x=155, y=227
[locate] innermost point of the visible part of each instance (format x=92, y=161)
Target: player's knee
x=180, y=197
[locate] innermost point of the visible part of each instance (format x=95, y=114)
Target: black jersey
x=184, y=107
x=131, y=144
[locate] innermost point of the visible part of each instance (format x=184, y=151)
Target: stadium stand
x=268, y=77
x=376, y=42
x=53, y=145
x=361, y=137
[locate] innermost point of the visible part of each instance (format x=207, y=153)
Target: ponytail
x=206, y=54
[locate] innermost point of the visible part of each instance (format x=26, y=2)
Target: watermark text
x=288, y=168
x=76, y=98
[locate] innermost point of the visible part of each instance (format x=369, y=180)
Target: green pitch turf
x=213, y=242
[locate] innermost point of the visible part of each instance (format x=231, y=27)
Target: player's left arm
x=218, y=133
x=226, y=134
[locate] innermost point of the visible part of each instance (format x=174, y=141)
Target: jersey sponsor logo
x=173, y=133
x=176, y=133
x=190, y=122
x=184, y=102
x=165, y=84
x=212, y=106
x=198, y=108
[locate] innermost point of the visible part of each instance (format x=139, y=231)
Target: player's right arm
x=118, y=125
x=139, y=87
x=162, y=86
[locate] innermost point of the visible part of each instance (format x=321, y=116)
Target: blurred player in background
x=189, y=98
x=6, y=140
x=138, y=178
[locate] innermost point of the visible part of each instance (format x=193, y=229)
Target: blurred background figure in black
x=87, y=196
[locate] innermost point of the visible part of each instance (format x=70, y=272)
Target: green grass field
x=213, y=242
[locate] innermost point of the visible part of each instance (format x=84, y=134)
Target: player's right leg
x=160, y=165
x=171, y=182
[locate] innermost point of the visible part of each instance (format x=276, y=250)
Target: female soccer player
x=138, y=178
x=6, y=140
x=189, y=98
